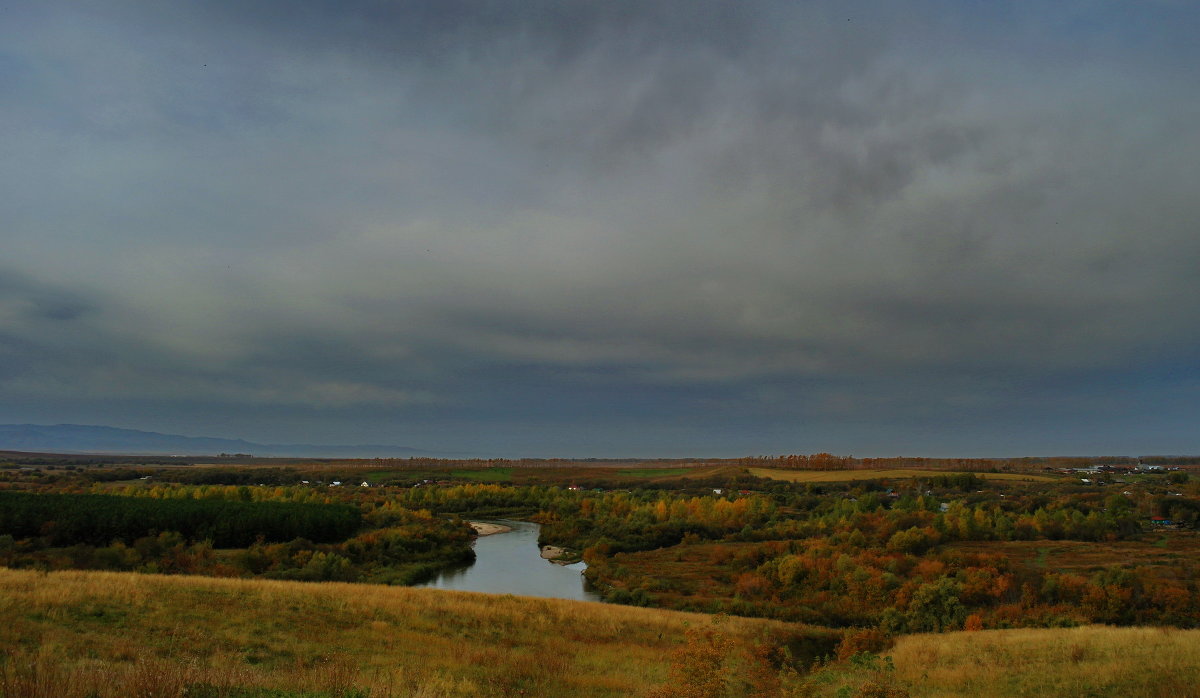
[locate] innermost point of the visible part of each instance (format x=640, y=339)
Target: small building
x=365, y=484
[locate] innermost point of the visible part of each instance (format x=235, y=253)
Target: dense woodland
x=295, y=534
x=97, y=519
x=900, y=554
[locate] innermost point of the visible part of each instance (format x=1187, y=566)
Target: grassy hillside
x=75, y=634
x=71, y=633
x=1085, y=661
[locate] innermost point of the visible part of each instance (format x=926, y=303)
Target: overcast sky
x=613, y=228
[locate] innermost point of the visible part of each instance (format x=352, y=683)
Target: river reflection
x=511, y=563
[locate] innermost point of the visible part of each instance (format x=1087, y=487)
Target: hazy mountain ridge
x=83, y=438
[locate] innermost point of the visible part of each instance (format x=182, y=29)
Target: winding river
x=511, y=563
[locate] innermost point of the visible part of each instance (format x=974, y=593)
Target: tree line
x=68, y=519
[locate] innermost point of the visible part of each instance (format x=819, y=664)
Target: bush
x=859, y=641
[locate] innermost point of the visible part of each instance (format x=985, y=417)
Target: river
x=511, y=563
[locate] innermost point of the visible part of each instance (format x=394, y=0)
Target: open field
x=1086, y=661
x=472, y=475
x=655, y=472
x=547, y=475
x=115, y=632
x=75, y=634
x=1163, y=551
x=892, y=474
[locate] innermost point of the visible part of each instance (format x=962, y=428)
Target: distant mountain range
x=80, y=438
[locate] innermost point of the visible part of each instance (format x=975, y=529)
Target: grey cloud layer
x=340, y=204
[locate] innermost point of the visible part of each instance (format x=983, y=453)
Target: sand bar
x=487, y=529
x=552, y=552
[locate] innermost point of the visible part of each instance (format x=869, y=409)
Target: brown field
x=885, y=474
x=631, y=474
x=1164, y=550
x=686, y=573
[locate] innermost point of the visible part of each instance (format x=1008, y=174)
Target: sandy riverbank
x=559, y=556
x=487, y=529
x=552, y=552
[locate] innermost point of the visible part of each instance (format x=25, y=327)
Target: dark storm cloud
x=779, y=214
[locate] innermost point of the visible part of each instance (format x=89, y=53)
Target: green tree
x=936, y=607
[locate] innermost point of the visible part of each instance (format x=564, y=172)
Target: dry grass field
x=885, y=474
x=76, y=634
x=1086, y=661
x=103, y=635
x=1092, y=661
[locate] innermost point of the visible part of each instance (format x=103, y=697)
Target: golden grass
x=82, y=632
x=890, y=473
x=1086, y=661
x=1089, y=661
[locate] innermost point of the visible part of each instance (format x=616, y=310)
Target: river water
x=511, y=563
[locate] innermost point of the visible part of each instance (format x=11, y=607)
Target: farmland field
x=893, y=474
x=654, y=472
x=472, y=475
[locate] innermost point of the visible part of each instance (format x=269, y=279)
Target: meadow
x=73, y=634
x=103, y=635
x=1086, y=661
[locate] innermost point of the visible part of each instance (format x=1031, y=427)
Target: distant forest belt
x=97, y=519
x=891, y=474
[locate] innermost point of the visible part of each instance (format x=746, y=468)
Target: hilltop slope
x=98, y=630
x=74, y=634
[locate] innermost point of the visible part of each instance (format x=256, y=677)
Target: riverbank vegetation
x=906, y=550
x=228, y=532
